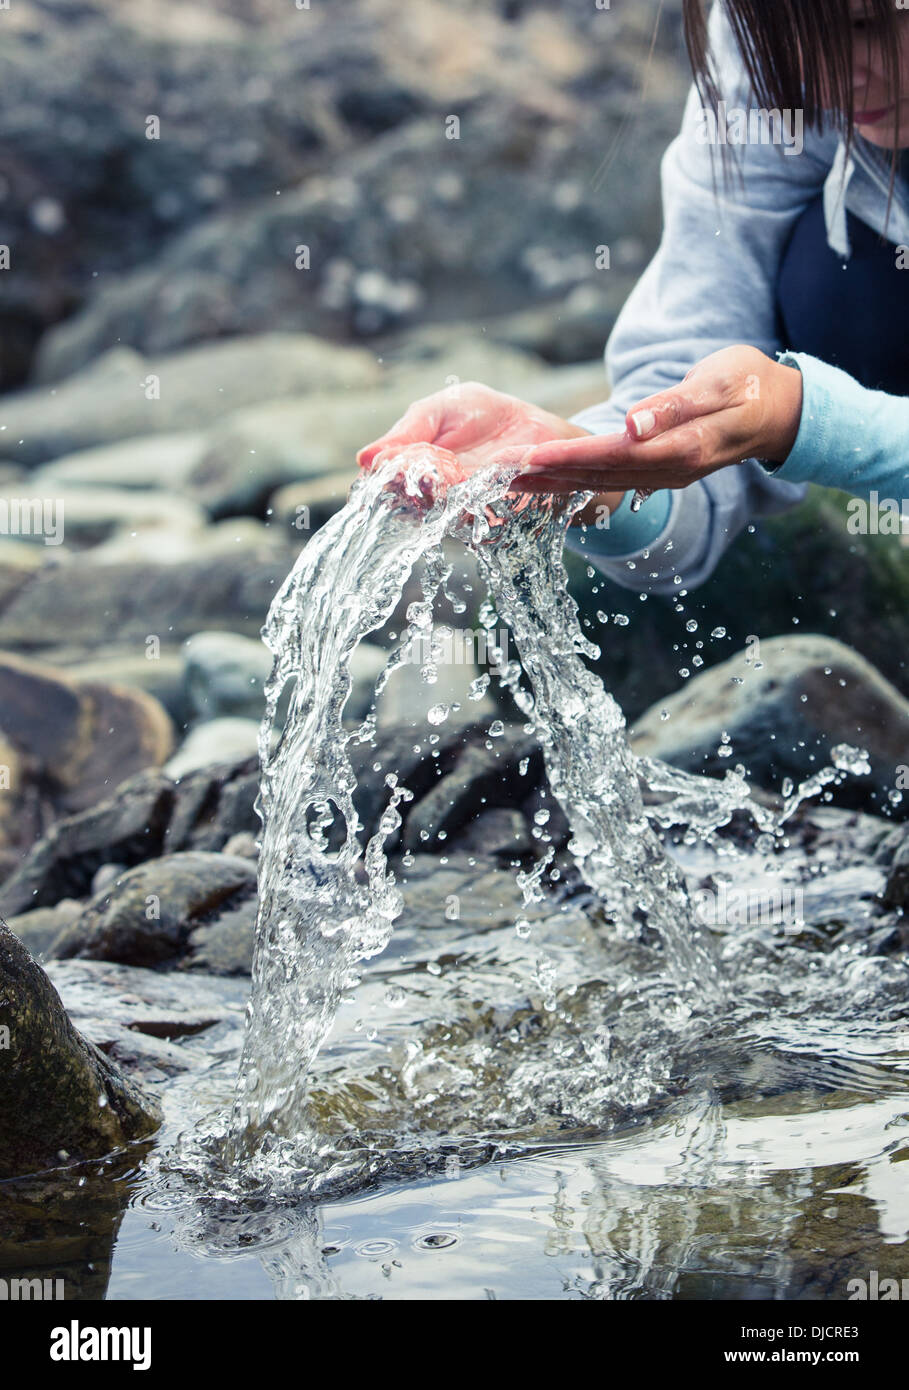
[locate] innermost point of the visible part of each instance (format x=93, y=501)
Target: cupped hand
x=477, y=424
x=736, y=404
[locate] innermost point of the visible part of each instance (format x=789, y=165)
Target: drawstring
x=835, y=187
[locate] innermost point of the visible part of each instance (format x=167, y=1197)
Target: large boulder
x=793, y=712
x=61, y=1099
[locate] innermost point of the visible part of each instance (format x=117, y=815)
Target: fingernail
x=643, y=422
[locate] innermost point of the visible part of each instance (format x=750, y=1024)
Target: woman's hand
x=479, y=425
x=736, y=404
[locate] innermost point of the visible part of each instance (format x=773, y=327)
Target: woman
x=766, y=346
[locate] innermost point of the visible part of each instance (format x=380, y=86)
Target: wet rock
x=224, y=946
x=128, y=826
x=214, y=804
x=82, y=603
x=477, y=896
x=218, y=741
x=146, y=1020
x=225, y=674
x=896, y=893
x=146, y=916
x=399, y=749
x=481, y=778
x=59, y=1094
x=123, y=395
x=496, y=832
x=811, y=695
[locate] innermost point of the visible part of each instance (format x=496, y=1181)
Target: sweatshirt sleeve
x=711, y=284
x=849, y=438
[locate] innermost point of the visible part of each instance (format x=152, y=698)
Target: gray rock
x=372, y=274
x=59, y=1094
x=811, y=695
x=83, y=515
x=106, y=876
x=128, y=826
x=367, y=662
x=39, y=930
x=224, y=674
x=224, y=946
x=305, y=506
x=801, y=571
x=243, y=844
x=226, y=740
x=496, y=832
x=124, y=395
x=69, y=743
x=896, y=893
x=83, y=604
x=158, y=461
x=145, y=1019
x=158, y=673
x=481, y=778
x=214, y=804
x=146, y=916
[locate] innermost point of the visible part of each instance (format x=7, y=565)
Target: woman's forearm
x=849, y=438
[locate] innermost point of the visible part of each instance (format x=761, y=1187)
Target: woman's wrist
x=785, y=414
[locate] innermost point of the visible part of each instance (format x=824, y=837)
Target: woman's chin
x=885, y=135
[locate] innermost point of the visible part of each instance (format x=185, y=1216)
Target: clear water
x=326, y=905
x=577, y=1085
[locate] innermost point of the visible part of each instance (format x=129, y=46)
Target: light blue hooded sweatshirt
x=712, y=284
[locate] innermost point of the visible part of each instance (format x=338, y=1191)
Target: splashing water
x=325, y=903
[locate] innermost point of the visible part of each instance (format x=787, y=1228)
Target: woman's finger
x=703, y=393
x=616, y=462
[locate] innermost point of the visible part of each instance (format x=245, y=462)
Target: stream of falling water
x=325, y=902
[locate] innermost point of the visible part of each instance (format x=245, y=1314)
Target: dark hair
x=798, y=53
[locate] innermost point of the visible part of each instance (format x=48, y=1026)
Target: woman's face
x=878, y=117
